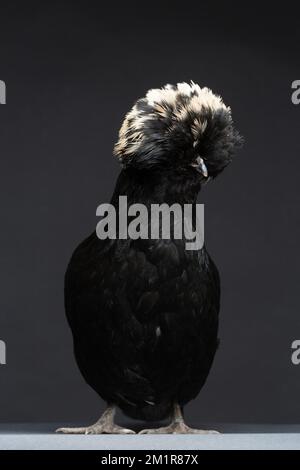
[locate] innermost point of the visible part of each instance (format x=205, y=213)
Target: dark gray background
x=72, y=70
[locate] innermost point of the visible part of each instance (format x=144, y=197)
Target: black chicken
x=144, y=312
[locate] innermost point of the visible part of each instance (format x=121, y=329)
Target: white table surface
x=233, y=436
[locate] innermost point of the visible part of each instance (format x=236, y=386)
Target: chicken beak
x=200, y=166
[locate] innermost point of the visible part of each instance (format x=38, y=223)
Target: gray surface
x=26, y=437
x=73, y=69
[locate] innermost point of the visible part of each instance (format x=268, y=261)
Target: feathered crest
x=179, y=121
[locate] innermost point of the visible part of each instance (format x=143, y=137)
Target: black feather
x=144, y=313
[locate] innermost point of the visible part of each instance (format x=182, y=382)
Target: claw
x=105, y=425
x=96, y=429
x=177, y=428
x=71, y=430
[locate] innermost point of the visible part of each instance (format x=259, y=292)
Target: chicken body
x=144, y=313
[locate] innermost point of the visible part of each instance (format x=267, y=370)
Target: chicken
x=144, y=312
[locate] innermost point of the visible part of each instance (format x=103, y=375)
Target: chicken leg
x=104, y=425
x=177, y=426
